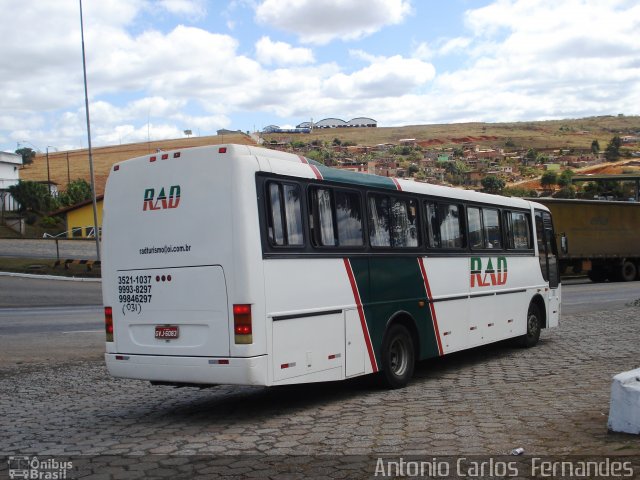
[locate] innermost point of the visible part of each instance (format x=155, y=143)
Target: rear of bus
x=182, y=268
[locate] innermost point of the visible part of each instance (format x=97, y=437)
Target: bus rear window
x=285, y=214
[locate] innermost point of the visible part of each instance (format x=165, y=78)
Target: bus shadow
x=225, y=404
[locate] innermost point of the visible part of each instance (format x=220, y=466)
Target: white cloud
x=568, y=58
x=454, y=45
x=384, y=77
x=190, y=8
x=269, y=52
x=524, y=60
x=321, y=22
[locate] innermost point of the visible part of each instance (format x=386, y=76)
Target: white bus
x=234, y=264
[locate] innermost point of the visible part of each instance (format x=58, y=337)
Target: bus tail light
x=242, y=325
x=108, y=323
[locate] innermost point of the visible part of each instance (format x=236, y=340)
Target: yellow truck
x=603, y=237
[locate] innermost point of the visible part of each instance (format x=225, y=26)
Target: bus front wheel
x=398, y=357
x=534, y=326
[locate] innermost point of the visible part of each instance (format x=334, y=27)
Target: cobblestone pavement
x=549, y=400
x=30, y=248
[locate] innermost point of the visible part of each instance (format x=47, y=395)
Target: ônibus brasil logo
x=162, y=200
x=487, y=275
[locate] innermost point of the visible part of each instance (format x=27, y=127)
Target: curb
x=49, y=277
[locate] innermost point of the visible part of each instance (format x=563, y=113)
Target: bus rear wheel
x=534, y=326
x=398, y=357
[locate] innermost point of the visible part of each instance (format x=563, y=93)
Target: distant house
x=10, y=164
x=79, y=218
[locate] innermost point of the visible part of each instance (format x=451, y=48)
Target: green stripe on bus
x=390, y=285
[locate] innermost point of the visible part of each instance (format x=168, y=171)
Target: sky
x=156, y=68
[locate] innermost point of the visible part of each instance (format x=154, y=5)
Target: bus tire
x=398, y=357
x=534, y=326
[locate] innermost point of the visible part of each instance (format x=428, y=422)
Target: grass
x=44, y=266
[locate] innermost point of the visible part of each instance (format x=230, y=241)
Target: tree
x=565, y=178
x=595, y=147
x=519, y=192
x=77, y=191
x=456, y=167
x=548, y=179
x=32, y=196
x=492, y=184
x=530, y=156
x=27, y=155
x=612, y=152
x=568, y=191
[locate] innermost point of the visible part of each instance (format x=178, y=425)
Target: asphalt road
x=583, y=296
x=36, y=292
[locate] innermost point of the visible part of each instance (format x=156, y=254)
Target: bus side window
x=393, y=222
x=444, y=229
x=433, y=225
x=323, y=221
x=404, y=218
x=451, y=232
x=517, y=230
x=285, y=214
x=379, y=221
x=349, y=219
x=491, y=221
x=475, y=228
x=336, y=218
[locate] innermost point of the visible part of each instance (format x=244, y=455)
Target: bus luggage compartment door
x=308, y=346
x=172, y=311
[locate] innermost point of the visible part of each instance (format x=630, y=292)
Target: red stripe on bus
x=395, y=180
x=431, y=305
x=363, y=322
x=316, y=172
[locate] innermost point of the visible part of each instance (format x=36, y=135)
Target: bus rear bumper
x=193, y=370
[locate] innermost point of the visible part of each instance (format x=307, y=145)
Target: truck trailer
x=603, y=237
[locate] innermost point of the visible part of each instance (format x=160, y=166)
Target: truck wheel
x=628, y=271
x=534, y=326
x=398, y=357
x=597, y=275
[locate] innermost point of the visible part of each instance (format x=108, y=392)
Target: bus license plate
x=167, y=332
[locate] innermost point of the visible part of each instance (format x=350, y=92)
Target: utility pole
x=48, y=172
x=96, y=229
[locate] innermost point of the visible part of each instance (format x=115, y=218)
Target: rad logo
x=162, y=200
x=487, y=275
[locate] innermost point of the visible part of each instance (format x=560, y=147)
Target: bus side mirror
x=564, y=243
